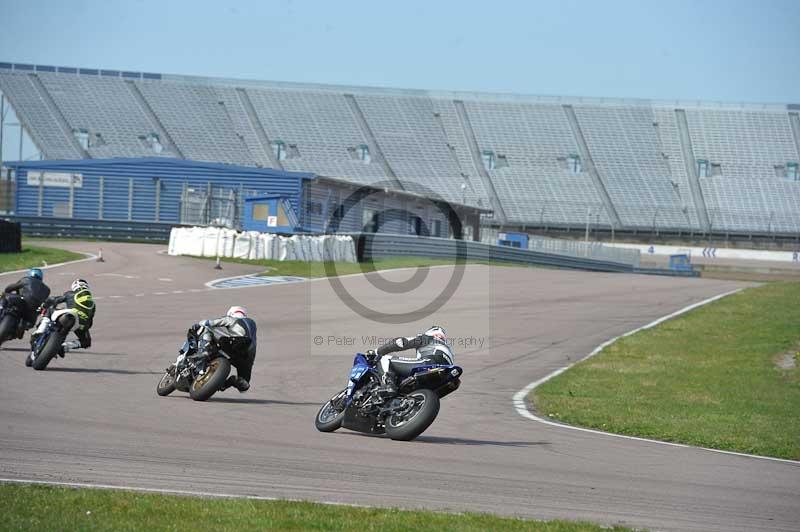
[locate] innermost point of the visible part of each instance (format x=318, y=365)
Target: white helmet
x=437, y=332
x=237, y=312
x=78, y=285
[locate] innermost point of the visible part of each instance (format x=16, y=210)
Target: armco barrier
x=99, y=229
x=377, y=245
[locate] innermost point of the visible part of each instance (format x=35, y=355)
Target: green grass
x=707, y=378
x=52, y=508
x=317, y=269
x=35, y=256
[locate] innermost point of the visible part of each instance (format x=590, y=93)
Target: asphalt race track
x=94, y=416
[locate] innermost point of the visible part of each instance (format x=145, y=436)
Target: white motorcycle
x=52, y=329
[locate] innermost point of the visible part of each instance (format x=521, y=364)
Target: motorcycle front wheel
x=7, y=328
x=330, y=415
x=209, y=383
x=50, y=349
x=417, y=416
x=166, y=385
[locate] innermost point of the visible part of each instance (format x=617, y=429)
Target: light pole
x=2, y=124
x=655, y=217
x=588, y=221
x=20, y=138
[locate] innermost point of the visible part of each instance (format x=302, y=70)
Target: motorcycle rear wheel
x=328, y=419
x=407, y=426
x=212, y=380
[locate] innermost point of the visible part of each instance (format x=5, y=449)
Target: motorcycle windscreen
x=359, y=369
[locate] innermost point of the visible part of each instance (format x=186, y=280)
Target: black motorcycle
x=200, y=372
x=12, y=321
x=360, y=407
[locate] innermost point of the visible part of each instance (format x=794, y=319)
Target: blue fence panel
x=144, y=200
x=115, y=198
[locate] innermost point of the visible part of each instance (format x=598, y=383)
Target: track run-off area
x=94, y=417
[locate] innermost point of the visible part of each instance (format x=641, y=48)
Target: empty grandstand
x=536, y=162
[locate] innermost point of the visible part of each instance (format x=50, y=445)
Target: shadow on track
x=247, y=400
x=466, y=441
x=81, y=353
x=457, y=441
x=104, y=370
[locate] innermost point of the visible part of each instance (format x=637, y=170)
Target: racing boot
x=66, y=347
x=238, y=383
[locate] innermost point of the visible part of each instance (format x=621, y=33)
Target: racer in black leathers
x=27, y=295
x=426, y=353
x=235, y=334
x=79, y=297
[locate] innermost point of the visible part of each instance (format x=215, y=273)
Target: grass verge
x=710, y=378
x=35, y=256
x=317, y=269
x=55, y=508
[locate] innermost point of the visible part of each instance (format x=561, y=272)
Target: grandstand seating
x=523, y=154
x=197, y=121
x=322, y=127
x=625, y=147
x=39, y=120
x=106, y=107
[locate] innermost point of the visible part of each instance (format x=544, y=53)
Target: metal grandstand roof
x=389, y=91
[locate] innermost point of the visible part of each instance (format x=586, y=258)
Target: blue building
x=161, y=189
x=153, y=189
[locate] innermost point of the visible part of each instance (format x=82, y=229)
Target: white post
x=130, y=198
x=71, y=204
x=100, y=206
x=41, y=192
x=158, y=199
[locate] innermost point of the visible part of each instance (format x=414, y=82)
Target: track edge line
x=520, y=402
x=89, y=256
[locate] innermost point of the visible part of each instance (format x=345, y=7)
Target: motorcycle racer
x=27, y=294
x=78, y=297
x=237, y=333
x=431, y=348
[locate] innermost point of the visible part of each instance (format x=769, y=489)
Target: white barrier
x=711, y=253
x=218, y=242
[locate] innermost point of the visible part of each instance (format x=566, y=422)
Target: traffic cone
x=218, y=266
x=100, y=256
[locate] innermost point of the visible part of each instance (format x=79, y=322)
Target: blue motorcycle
x=360, y=407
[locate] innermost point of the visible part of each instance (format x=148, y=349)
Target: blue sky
x=681, y=49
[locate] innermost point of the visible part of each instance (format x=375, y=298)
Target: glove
x=372, y=357
x=195, y=331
